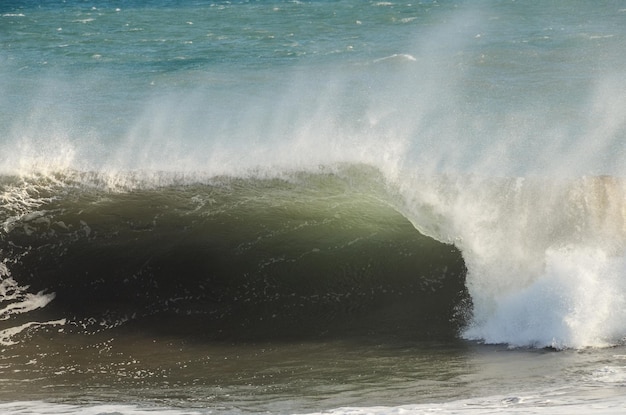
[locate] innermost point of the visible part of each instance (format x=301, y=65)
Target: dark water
x=241, y=259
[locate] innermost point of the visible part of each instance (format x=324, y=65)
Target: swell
x=307, y=255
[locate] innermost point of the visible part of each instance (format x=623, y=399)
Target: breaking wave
x=344, y=250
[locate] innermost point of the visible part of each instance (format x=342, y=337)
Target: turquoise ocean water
x=291, y=207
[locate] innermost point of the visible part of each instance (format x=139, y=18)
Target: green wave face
x=304, y=256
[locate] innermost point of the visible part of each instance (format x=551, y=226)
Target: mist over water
x=458, y=93
x=498, y=127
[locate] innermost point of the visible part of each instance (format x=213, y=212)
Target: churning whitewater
x=297, y=206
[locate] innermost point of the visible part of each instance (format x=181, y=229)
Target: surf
x=523, y=174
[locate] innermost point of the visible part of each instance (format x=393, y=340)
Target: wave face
x=297, y=163
x=317, y=255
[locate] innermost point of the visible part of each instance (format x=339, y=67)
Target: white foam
x=45, y=408
x=7, y=335
x=397, y=56
x=538, y=404
x=26, y=302
x=577, y=301
x=610, y=375
x=14, y=300
x=18, y=300
x=557, y=402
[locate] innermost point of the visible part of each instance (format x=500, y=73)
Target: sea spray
x=545, y=257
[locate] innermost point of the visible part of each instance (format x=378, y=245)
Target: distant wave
x=397, y=56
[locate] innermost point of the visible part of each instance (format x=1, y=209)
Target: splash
x=546, y=258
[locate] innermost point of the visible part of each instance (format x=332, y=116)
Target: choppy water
x=295, y=207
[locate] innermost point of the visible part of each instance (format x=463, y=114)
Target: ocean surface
x=301, y=207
